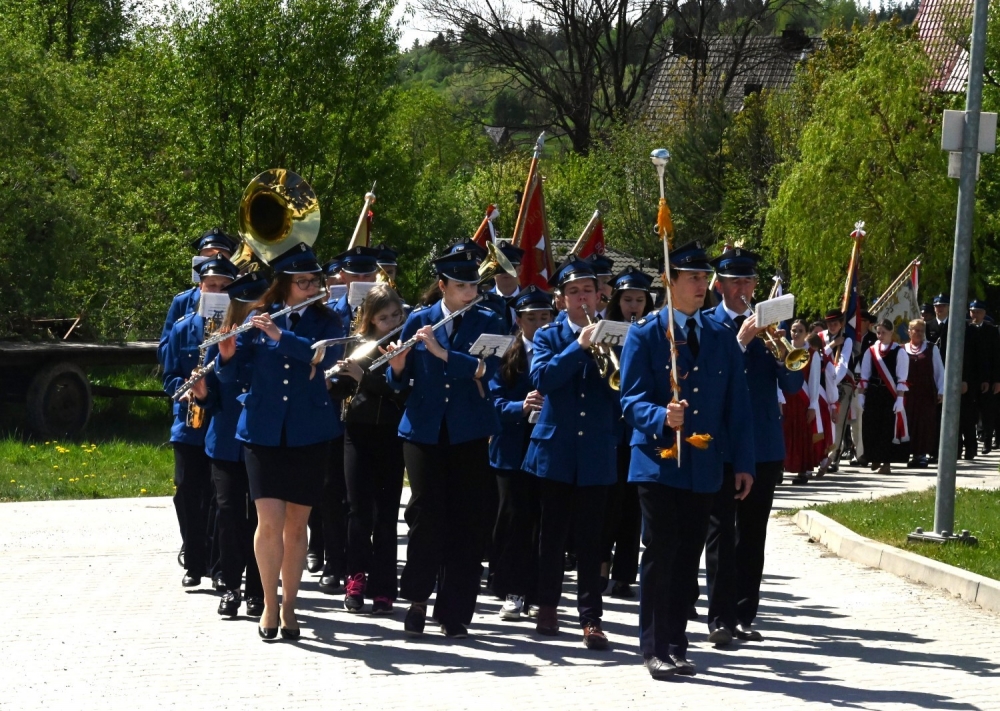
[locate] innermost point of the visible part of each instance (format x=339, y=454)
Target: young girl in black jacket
x=373, y=457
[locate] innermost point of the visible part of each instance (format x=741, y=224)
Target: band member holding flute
x=676, y=496
x=572, y=452
x=446, y=427
x=192, y=467
x=237, y=521
x=287, y=424
x=373, y=456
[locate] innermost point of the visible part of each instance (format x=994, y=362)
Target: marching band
x=298, y=418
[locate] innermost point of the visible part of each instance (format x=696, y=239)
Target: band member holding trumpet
x=572, y=452
x=192, y=467
x=446, y=427
x=287, y=424
x=514, y=553
x=237, y=516
x=630, y=301
x=676, y=496
x=604, y=269
x=373, y=456
x=738, y=527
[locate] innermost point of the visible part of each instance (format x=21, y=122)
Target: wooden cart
x=49, y=378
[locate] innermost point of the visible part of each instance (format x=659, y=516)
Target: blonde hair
x=380, y=297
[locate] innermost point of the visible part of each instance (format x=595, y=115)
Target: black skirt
x=292, y=474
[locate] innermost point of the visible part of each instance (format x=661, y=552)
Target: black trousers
x=446, y=518
x=237, y=522
x=969, y=416
x=622, y=523
x=373, y=469
x=515, y=537
x=734, y=550
x=674, y=527
x=986, y=411
x=192, y=499
x=331, y=536
x=580, y=509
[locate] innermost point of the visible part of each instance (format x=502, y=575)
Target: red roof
x=943, y=27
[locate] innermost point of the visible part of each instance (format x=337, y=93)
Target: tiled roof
x=766, y=62
x=621, y=259
x=939, y=23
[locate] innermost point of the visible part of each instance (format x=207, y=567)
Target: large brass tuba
x=278, y=211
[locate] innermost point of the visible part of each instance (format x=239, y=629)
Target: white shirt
x=902, y=366
x=732, y=314
x=450, y=326
x=840, y=367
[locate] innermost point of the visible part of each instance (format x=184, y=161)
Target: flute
x=247, y=325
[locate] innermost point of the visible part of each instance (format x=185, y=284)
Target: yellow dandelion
x=142, y=491
x=13, y=481
x=32, y=446
x=46, y=443
x=55, y=466
x=60, y=478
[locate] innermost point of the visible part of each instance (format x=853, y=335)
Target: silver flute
x=247, y=325
x=364, y=349
x=382, y=360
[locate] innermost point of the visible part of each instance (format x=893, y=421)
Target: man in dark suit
x=982, y=343
x=734, y=555
x=677, y=496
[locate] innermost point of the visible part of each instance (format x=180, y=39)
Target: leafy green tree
x=868, y=151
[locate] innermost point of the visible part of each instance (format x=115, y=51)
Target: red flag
x=487, y=232
x=537, y=265
x=595, y=242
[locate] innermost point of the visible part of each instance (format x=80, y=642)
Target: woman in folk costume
x=926, y=380
x=884, y=380
x=807, y=422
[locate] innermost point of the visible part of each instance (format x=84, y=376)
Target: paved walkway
x=96, y=619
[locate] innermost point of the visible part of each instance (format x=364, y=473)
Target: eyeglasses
x=306, y=283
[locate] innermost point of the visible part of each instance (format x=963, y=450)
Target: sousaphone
x=278, y=210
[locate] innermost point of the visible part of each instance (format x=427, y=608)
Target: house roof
x=765, y=62
x=560, y=247
x=940, y=23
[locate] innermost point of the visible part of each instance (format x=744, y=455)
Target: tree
x=868, y=151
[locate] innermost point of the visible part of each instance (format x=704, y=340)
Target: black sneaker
x=229, y=606
x=623, y=590
x=416, y=616
x=353, y=603
x=454, y=630
x=255, y=606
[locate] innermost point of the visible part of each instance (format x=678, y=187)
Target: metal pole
x=944, y=504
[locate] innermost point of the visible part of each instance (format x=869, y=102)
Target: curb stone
x=847, y=544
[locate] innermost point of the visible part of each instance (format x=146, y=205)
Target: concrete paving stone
x=97, y=619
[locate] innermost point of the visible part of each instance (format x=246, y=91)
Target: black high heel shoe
x=290, y=634
x=268, y=634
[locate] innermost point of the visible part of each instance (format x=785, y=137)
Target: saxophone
x=195, y=418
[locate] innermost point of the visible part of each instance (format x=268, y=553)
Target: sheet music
x=195, y=261
x=776, y=310
x=359, y=290
x=489, y=344
x=213, y=305
x=610, y=333
x=533, y=416
x=337, y=290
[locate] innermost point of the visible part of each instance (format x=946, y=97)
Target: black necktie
x=692, y=337
x=293, y=319
x=455, y=324
x=739, y=321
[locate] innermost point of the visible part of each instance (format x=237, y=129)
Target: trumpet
x=795, y=359
x=247, y=325
x=607, y=361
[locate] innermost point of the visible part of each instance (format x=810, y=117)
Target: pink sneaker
x=354, y=600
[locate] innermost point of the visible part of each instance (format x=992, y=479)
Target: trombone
x=795, y=359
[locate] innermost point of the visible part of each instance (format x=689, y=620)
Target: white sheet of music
x=775, y=310
x=359, y=290
x=610, y=333
x=337, y=290
x=213, y=305
x=489, y=344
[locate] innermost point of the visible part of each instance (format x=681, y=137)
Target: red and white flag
x=487, y=231
x=537, y=265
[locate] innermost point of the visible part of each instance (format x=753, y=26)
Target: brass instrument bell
x=278, y=210
x=495, y=262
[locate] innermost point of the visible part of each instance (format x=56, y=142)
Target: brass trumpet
x=604, y=356
x=795, y=359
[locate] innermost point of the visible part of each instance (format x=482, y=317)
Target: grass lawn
x=125, y=450
x=891, y=518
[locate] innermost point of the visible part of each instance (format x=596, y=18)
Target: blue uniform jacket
x=343, y=309
x=180, y=357
x=225, y=407
x=765, y=374
x=448, y=392
x=715, y=387
x=183, y=304
x=574, y=439
x=496, y=303
x=507, y=449
x=287, y=394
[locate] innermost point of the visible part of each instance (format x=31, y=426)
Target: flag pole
x=585, y=235
x=369, y=201
x=660, y=157
x=491, y=214
x=529, y=189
